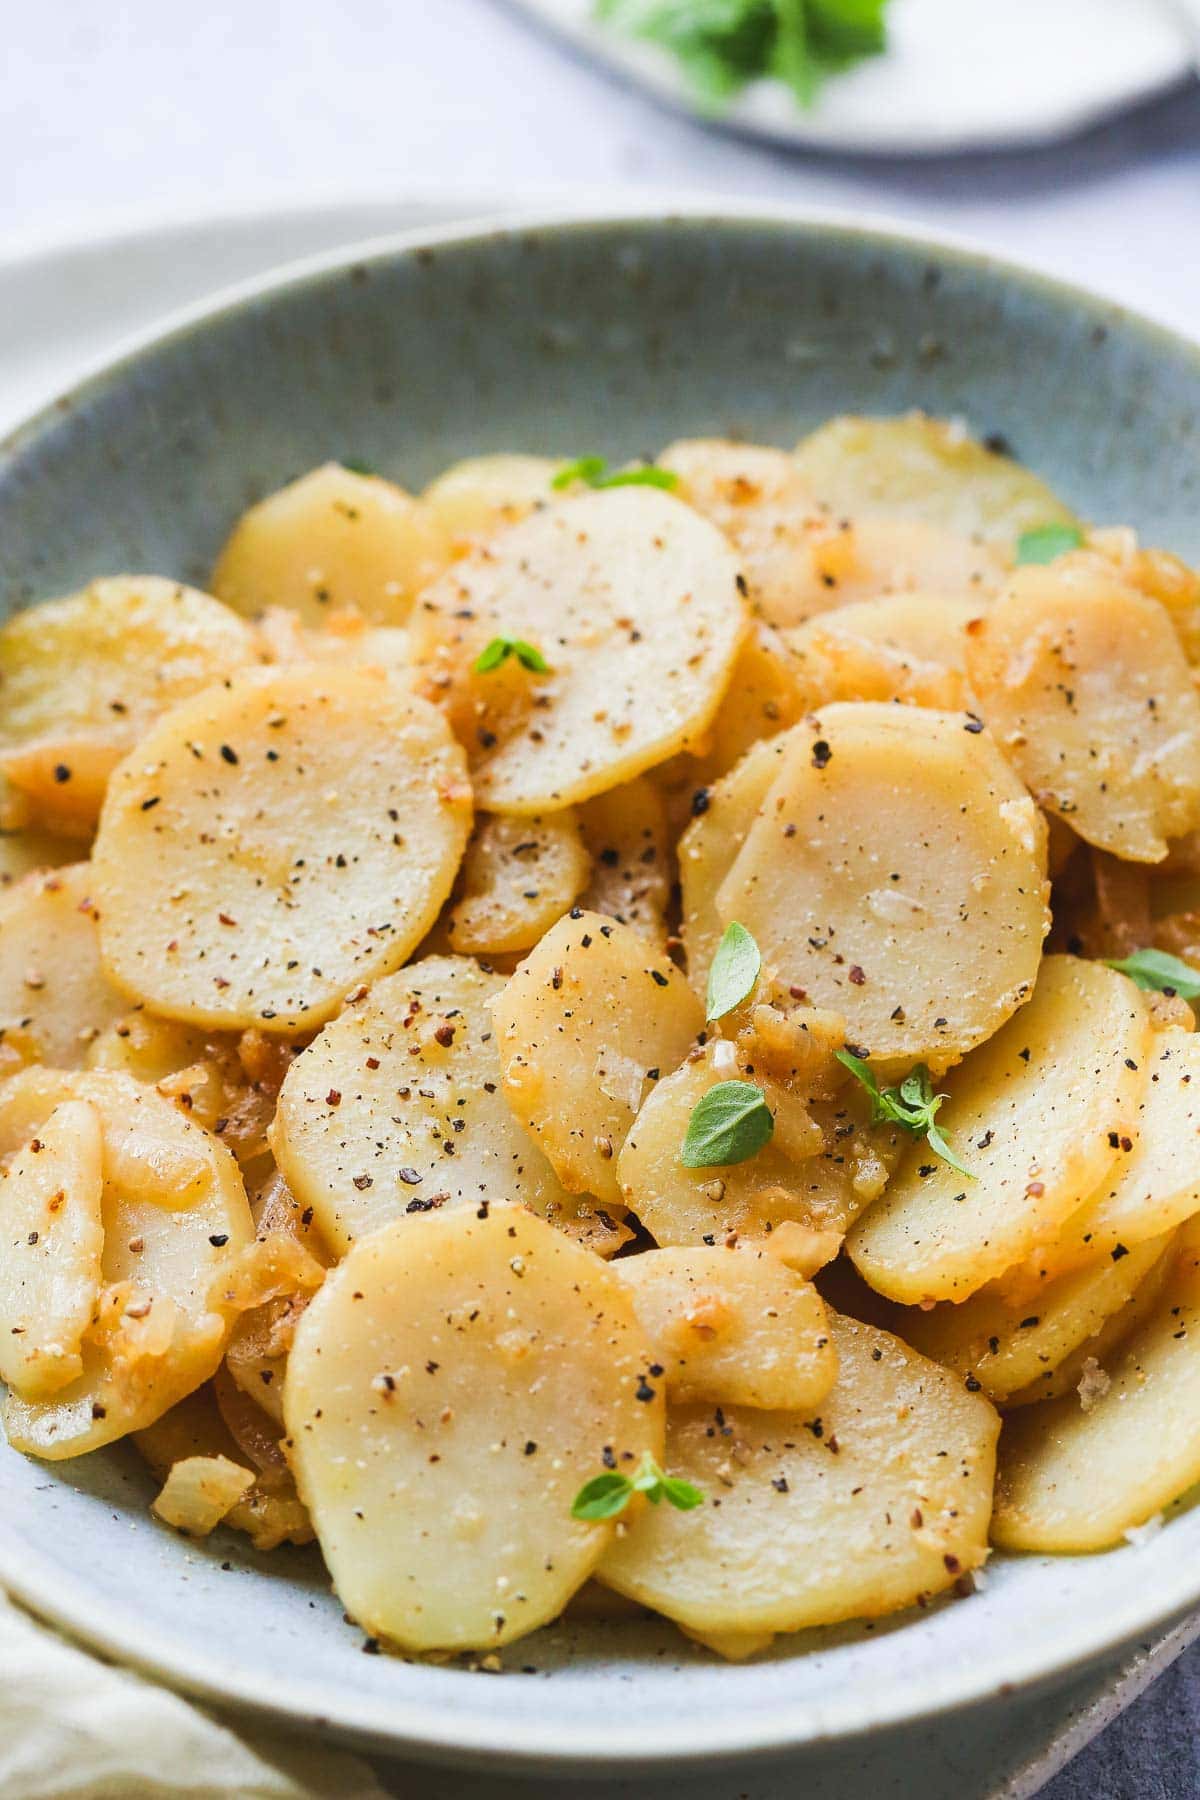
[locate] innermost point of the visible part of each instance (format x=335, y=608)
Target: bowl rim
x=409, y=1725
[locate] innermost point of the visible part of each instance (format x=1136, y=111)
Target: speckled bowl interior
x=574, y=337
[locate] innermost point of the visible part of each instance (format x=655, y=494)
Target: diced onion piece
x=270, y=1511
x=199, y=1492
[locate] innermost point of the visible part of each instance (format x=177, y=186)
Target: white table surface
x=153, y=109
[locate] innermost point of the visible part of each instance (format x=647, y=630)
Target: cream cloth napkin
x=75, y=1728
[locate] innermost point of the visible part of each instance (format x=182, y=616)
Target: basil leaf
x=594, y=471
x=1157, y=971
x=603, y=1497
x=730, y=1124
x=1045, y=542
x=734, y=973
x=501, y=648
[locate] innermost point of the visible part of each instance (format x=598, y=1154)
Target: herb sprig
x=593, y=471
x=734, y=972
x=912, y=1105
x=609, y=1494
x=501, y=648
x=1045, y=542
x=1158, y=972
x=729, y=1124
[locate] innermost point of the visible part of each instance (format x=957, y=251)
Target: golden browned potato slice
x=83, y=678
x=1083, y=1371
x=928, y=469
x=879, y=1502
x=518, y=877
x=586, y=1026
x=476, y=499
x=1037, y=1114
x=174, y=1216
x=722, y=818
x=1085, y=685
x=1005, y=1342
x=824, y=1190
x=625, y=833
x=451, y=1388
x=275, y=843
x=1154, y=1184
x=332, y=540
x=766, y=695
x=28, y=852
x=736, y=1326
x=632, y=602
x=199, y=1492
x=910, y=647
x=395, y=1109
x=345, y=637
x=1157, y=573
x=50, y=1226
x=270, y=1513
x=896, y=872
x=1071, y=1479
x=54, y=994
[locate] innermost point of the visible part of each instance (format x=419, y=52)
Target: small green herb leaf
x=356, y=467
x=593, y=470
x=729, y=1125
x=1046, y=542
x=501, y=648
x=1159, y=972
x=609, y=1494
x=912, y=1105
x=734, y=973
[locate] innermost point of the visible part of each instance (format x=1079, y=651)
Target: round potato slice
x=334, y=539
x=766, y=695
x=584, y=1028
x=880, y=1502
x=825, y=1190
x=632, y=602
x=174, y=1215
x=450, y=1389
x=736, y=1326
x=896, y=872
x=51, y=1228
x=28, y=852
x=1154, y=1184
x=345, y=637
x=1085, y=685
x=1004, y=1343
x=395, y=1109
x=929, y=469
x=1073, y=1480
x=81, y=680
x=275, y=843
x=1082, y=1372
x=1037, y=1115
x=910, y=647
x=54, y=994
x=476, y=499
x=625, y=834
x=518, y=877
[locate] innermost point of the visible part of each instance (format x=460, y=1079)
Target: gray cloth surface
x=1152, y=1752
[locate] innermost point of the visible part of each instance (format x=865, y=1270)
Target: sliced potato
x=395, y=1109
x=722, y=818
x=632, y=601
x=766, y=694
x=518, y=876
x=345, y=637
x=824, y=1190
x=881, y=1501
x=736, y=1326
x=452, y=1386
x=1083, y=1371
x=53, y=1236
x=1037, y=1114
x=270, y=1512
x=625, y=833
x=1005, y=1343
x=896, y=872
x=1086, y=686
x=174, y=1216
x=1071, y=1479
x=1159, y=574
x=200, y=1491
x=588, y=1023
x=910, y=647
x=481, y=496
x=82, y=679
x=332, y=540
x=30, y=852
x=929, y=469
x=274, y=843
x=1154, y=1184
x=54, y=994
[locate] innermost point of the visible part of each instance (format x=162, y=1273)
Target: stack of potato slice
x=563, y=1029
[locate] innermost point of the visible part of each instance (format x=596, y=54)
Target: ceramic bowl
x=612, y=337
